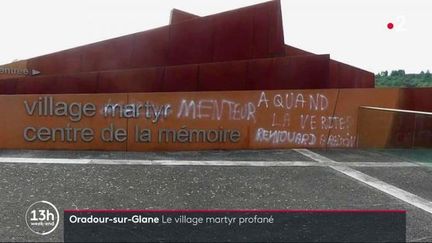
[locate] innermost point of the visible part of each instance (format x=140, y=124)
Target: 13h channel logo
x=42, y=217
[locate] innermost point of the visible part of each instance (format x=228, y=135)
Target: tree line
x=398, y=78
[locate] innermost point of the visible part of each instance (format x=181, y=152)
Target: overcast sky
x=351, y=31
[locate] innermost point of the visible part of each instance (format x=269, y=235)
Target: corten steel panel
x=39, y=85
x=58, y=84
x=299, y=72
x=374, y=128
x=135, y=80
x=267, y=27
x=214, y=110
x=346, y=76
x=407, y=100
x=68, y=61
x=418, y=99
x=8, y=86
x=296, y=72
x=180, y=78
x=349, y=101
x=233, y=38
x=333, y=75
x=422, y=99
x=306, y=72
x=294, y=51
x=402, y=130
x=336, y=73
x=276, y=35
x=367, y=79
x=106, y=55
x=261, y=22
x=15, y=65
x=191, y=42
x=14, y=125
x=280, y=73
x=235, y=101
x=394, y=129
x=204, y=119
x=150, y=48
x=233, y=35
x=423, y=131
x=223, y=76
x=178, y=16
x=293, y=117
x=260, y=74
x=249, y=111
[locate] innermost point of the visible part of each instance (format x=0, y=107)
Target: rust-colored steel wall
x=178, y=16
x=297, y=72
x=20, y=65
x=247, y=119
x=418, y=99
x=423, y=131
x=13, y=125
x=249, y=33
x=221, y=37
x=294, y=51
x=374, y=130
x=346, y=76
x=349, y=101
x=264, y=94
x=394, y=129
x=341, y=74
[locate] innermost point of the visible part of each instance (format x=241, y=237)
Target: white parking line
x=405, y=196
x=380, y=164
x=156, y=162
x=43, y=160
x=206, y=163
x=197, y=162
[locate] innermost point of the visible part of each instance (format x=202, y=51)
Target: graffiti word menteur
x=215, y=109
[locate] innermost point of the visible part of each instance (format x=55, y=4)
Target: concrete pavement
x=267, y=179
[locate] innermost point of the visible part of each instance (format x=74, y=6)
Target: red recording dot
x=390, y=26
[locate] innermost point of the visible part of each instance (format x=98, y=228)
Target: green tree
x=398, y=78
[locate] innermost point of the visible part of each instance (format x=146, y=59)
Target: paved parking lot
x=276, y=179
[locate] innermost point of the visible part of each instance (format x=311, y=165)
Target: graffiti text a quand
x=285, y=137
x=216, y=110
x=292, y=100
